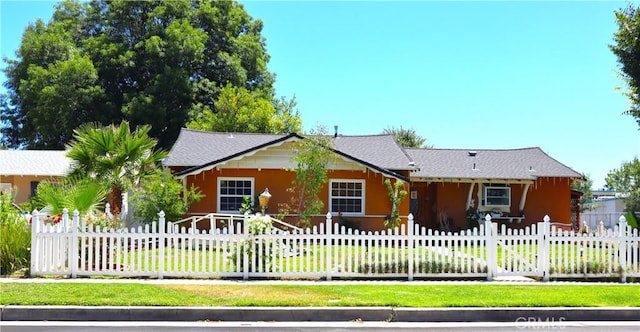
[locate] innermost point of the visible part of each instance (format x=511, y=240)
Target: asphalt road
x=314, y=326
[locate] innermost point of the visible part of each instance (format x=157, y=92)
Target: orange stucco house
x=520, y=185
x=22, y=170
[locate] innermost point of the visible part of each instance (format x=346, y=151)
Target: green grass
x=459, y=295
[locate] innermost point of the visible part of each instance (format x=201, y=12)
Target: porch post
x=470, y=194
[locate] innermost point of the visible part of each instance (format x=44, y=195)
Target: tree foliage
x=397, y=194
x=313, y=155
x=626, y=180
x=627, y=49
x=407, y=138
x=584, y=186
x=115, y=156
x=72, y=193
x=146, y=62
x=15, y=237
x=161, y=191
x=242, y=111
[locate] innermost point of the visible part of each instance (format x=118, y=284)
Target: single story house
x=518, y=186
x=22, y=170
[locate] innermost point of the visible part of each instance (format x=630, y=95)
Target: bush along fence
x=249, y=247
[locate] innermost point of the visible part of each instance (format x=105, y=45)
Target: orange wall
x=549, y=196
x=22, y=184
x=452, y=198
x=377, y=203
x=546, y=196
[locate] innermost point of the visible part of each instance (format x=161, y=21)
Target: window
x=497, y=196
x=6, y=187
x=347, y=196
x=34, y=187
x=231, y=193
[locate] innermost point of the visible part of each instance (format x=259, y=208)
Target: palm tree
x=80, y=194
x=115, y=156
x=407, y=138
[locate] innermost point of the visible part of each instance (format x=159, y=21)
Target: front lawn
x=366, y=294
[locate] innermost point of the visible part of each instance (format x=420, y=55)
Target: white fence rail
x=162, y=249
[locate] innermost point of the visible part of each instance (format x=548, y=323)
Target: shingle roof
x=199, y=149
x=195, y=148
x=34, y=162
x=522, y=164
x=379, y=150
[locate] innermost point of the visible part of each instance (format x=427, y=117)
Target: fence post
x=623, y=250
x=74, y=250
x=544, y=243
x=490, y=247
x=328, y=240
x=245, y=246
x=35, y=228
x=410, y=243
x=162, y=227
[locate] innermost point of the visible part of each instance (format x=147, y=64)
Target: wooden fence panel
x=160, y=249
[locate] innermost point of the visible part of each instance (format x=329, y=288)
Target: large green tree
x=627, y=49
x=146, y=62
x=240, y=110
x=626, y=180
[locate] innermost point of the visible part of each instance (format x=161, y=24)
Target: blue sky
x=477, y=75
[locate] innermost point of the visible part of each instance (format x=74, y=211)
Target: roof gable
x=201, y=150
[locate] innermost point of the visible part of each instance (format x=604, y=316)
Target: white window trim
x=220, y=179
x=364, y=195
x=486, y=202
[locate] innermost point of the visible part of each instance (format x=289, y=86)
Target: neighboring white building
x=22, y=170
x=607, y=208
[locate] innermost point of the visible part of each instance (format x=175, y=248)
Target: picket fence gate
x=162, y=249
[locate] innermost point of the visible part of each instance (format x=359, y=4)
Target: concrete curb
x=319, y=314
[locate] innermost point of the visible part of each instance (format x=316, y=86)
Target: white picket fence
x=162, y=249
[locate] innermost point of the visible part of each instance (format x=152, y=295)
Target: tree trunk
x=115, y=200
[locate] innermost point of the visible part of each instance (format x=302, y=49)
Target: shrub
x=161, y=191
x=419, y=267
x=257, y=225
x=15, y=237
x=396, y=194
